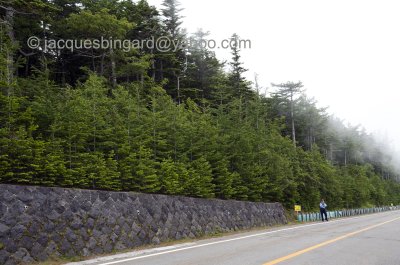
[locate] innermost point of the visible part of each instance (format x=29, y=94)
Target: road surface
x=368, y=239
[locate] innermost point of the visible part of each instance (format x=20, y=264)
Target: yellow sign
x=297, y=208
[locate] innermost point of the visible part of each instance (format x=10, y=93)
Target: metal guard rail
x=316, y=216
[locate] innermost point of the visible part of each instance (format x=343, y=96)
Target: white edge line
x=129, y=254
x=229, y=240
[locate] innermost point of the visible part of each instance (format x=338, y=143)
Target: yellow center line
x=297, y=253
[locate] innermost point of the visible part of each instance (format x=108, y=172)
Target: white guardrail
x=316, y=216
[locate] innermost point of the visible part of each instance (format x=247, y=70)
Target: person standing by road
x=322, y=209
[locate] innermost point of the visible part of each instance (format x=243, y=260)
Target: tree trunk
x=10, y=12
x=178, y=79
x=102, y=64
x=292, y=118
x=113, y=71
x=161, y=70
x=153, y=66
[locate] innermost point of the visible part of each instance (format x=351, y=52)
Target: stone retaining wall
x=39, y=222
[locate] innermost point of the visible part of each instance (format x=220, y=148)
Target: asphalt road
x=368, y=239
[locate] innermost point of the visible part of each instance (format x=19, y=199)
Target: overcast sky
x=346, y=53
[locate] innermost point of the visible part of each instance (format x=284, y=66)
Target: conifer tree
x=288, y=92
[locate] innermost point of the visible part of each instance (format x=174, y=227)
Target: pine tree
x=199, y=183
x=238, y=83
x=172, y=19
x=141, y=174
x=172, y=63
x=169, y=177
x=288, y=92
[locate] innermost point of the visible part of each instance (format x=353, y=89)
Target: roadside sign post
x=297, y=209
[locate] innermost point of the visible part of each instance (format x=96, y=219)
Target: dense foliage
x=171, y=123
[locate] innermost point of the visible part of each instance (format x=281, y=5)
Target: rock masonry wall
x=39, y=222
